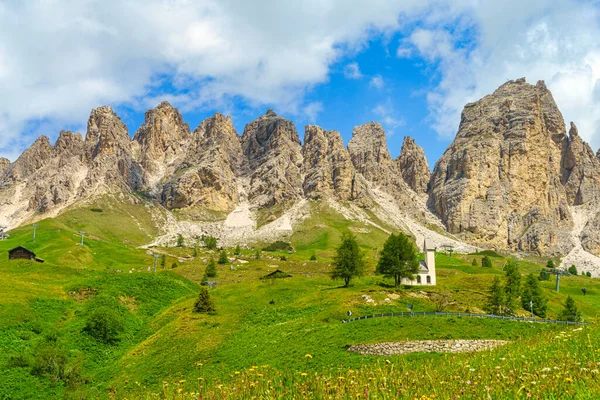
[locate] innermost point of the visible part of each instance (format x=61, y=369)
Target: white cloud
x=377, y=82
x=59, y=59
x=352, y=71
x=311, y=110
x=388, y=116
x=476, y=48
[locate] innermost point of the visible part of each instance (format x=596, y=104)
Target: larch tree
x=349, y=260
x=398, y=258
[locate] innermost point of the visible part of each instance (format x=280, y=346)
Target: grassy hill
x=269, y=338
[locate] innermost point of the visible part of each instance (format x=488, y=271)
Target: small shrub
x=544, y=275
x=486, y=262
x=223, y=258
x=588, y=274
x=283, y=258
x=195, y=252
x=211, y=269
x=257, y=254
x=174, y=265
x=550, y=264
x=313, y=256
x=19, y=361
x=51, y=361
x=163, y=261
x=573, y=270
x=179, y=240
x=97, y=210
x=237, y=251
x=475, y=263
x=204, y=303
x=210, y=242
x=104, y=324
x=278, y=246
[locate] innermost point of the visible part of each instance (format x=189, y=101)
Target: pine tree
x=257, y=254
x=313, y=256
x=570, y=313
x=174, y=265
x=544, y=275
x=573, y=270
x=474, y=263
x=237, y=251
x=486, y=262
x=496, y=303
x=398, y=258
x=550, y=264
x=204, y=304
x=349, y=260
x=211, y=269
x=179, y=240
x=512, y=289
x=163, y=261
x=534, y=293
x=195, y=252
x=223, y=257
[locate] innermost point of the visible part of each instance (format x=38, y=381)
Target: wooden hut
x=21, y=253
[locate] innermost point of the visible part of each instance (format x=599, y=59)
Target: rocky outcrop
x=580, y=170
x=426, y=346
x=371, y=159
x=206, y=174
x=327, y=167
x=273, y=160
x=162, y=140
x=4, y=164
x=413, y=166
x=499, y=183
x=108, y=155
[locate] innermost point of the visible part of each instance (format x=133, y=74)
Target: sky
x=409, y=64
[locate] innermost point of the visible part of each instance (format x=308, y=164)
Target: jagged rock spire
x=413, y=165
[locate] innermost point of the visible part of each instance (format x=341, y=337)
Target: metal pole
x=82, y=235
x=155, y=260
x=34, y=229
x=531, y=307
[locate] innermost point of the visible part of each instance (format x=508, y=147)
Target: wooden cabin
x=21, y=253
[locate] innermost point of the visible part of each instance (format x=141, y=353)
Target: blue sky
x=345, y=101
x=410, y=64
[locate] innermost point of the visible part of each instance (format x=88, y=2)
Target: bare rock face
x=162, y=140
x=273, y=160
x=499, y=183
x=327, y=168
x=580, y=170
x=371, y=159
x=413, y=166
x=206, y=174
x=4, y=163
x=108, y=154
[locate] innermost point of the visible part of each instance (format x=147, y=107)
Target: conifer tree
x=486, y=262
x=398, y=258
x=348, y=261
x=573, y=270
x=550, y=264
x=179, y=240
x=474, y=263
x=257, y=254
x=211, y=269
x=204, y=303
x=570, y=313
x=512, y=289
x=496, y=303
x=223, y=257
x=534, y=293
x=237, y=251
x=163, y=261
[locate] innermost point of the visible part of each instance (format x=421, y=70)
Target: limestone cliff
x=4, y=164
x=580, y=170
x=327, y=167
x=499, y=182
x=206, y=173
x=273, y=160
x=162, y=140
x=413, y=165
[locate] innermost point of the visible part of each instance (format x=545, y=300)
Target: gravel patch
x=426, y=346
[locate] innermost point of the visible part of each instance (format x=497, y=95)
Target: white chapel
x=426, y=274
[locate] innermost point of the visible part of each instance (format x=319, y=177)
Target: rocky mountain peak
x=4, y=164
x=580, y=171
x=327, y=165
x=106, y=133
x=270, y=113
x=413, y=165
x=499, y=182
x=273, y=160
x=69, y=143
x=368, y=150
x=573, y=131
x=162, y=140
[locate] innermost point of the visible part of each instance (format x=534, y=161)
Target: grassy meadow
x=268, y=338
